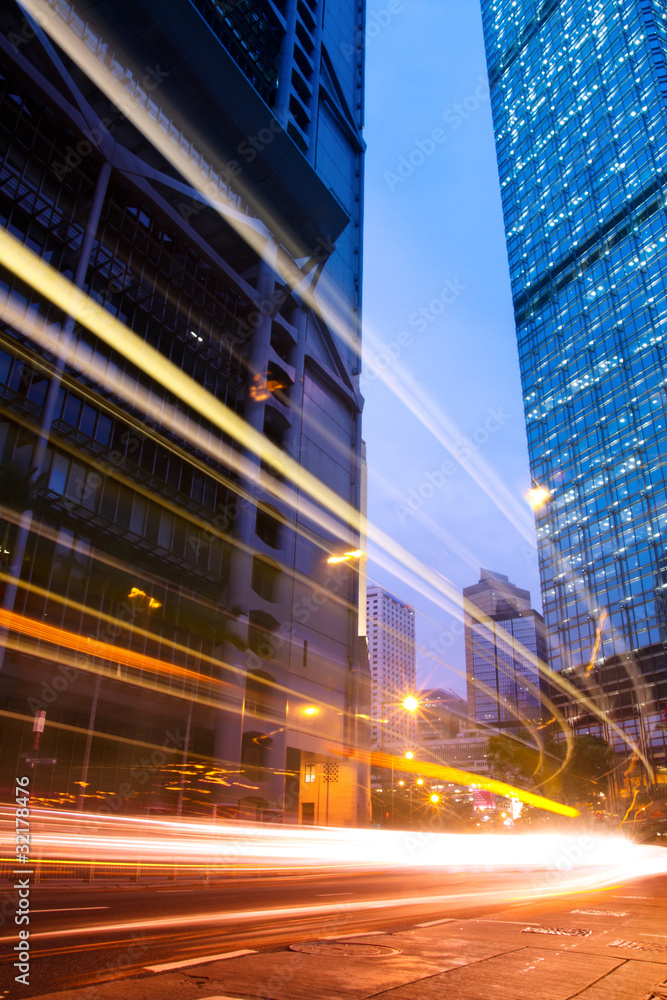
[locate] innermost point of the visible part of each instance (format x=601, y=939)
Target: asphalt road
x=88, y=934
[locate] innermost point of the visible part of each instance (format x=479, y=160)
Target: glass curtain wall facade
x=204, y=641
x=579, y=99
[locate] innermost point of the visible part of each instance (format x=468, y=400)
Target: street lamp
x=151, y=604
x=346, y=556
x=410, y=704
x=537, y=496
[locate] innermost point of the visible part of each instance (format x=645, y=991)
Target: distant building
x=391, y=652
x=467, y=751
x=442, y=715
x=502, y=644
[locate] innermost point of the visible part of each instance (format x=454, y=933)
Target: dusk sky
x=434, y=242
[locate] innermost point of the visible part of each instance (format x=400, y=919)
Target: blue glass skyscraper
x=579, y=98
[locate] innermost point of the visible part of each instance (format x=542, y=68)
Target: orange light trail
x=15, y=622
x=445, y=773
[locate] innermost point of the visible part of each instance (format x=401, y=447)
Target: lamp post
x=410, y=704
x=83, y=783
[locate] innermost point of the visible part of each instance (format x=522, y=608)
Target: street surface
x=510, y=935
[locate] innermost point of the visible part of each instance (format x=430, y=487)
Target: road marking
x=200, y=961
x=633, y=897
x=335, y=894
x=339, y=937
x=68, y=909
x=495, y=920
x=432, y=923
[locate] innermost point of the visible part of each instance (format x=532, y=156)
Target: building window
x=309, y=776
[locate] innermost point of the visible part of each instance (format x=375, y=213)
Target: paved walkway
x=609, y=945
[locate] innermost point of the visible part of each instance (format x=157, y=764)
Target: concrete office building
x=579, y=99
x=391, y=653
x=196, y=168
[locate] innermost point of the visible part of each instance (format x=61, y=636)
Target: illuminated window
x=309, y=776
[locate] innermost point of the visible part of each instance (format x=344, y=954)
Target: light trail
x=569, y=864
x=72, y=301
x=256, y=235
x=336, y=314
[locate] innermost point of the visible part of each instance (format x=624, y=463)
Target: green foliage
x=579, y=782
x=512, y=761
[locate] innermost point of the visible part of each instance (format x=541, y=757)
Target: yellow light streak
x=445, y=773
x=75, y=303
x=598, y=639
x=356, y=554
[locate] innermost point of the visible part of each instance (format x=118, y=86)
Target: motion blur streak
x=92, y=647
x=444, y=773
x=118, y=654
x=573, y=863
x=72, y=301
x=268, y=246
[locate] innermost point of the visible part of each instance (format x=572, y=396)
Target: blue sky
x=437, y=297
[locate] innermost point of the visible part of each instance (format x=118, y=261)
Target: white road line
x=432, y=923
x=494, y=920
x=200, y=961
x=344, y=937
x=68, y=909
x=335, y=894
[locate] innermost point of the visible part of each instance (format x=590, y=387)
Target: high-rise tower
x=196, y=169
x=579, y=99
x=391, y=651
x=503, y=643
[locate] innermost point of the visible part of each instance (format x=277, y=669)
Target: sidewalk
x=609, y=945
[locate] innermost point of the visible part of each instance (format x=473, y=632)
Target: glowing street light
x=537, y=497
x=435, y=799
x=310, y=710
x=411, y=704
x=356, y=554
x=409, y=755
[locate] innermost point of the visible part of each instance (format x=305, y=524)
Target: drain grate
x=561, y=931
x=658, y=992
x=343, y=949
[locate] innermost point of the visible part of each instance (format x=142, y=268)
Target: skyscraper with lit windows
x=392, y=656
x=579, y=99
x=503, y=641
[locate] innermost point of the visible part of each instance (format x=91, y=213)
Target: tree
x=586, y=772
x=513, y=761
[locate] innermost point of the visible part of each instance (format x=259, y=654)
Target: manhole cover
x=561, y=931
x=333, y=949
